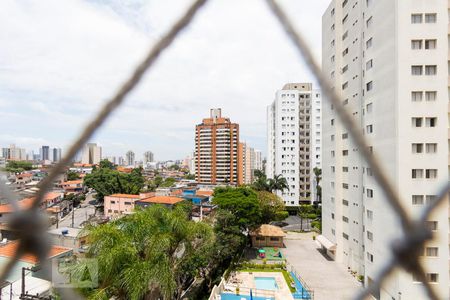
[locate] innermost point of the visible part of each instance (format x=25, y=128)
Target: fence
x=31, y=226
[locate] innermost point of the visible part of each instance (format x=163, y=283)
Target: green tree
x=151, y=254
x=189, y=176
x=18, y=166
x=260, y=183
x=71, y=175
x=242, y=202
x=272, y=207
x=105, y=180
x=307, y=212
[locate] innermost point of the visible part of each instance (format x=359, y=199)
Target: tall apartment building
x=130, y=158
x=56, y=154
x=258, y=160
x=148, y=157
x=91, y=154
x=45, y=153
x=217, y=150
x=294, y=142
x=388, y=61
x=15, y=153
x=249, y=162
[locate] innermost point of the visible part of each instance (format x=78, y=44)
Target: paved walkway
x=328, y=279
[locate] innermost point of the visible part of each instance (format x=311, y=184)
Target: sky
x=61, y=60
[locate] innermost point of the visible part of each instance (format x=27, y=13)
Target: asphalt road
x=295, y=223
x=81, y=214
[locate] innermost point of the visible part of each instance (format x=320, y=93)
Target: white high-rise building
x=130, y=158
x=148, y=157
x=388, y=60
x=56, y=154
x=290, y=149
x=91, y=154
x=258, y=160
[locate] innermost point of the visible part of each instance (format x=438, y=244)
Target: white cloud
x=60, y=60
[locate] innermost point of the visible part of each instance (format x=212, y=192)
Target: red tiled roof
x=124, y=196
x=163, y=200
x=204, y=193
x=10, y=248
x=72, y=182
x=51, y=196
x=23, y=204
x=25, y=175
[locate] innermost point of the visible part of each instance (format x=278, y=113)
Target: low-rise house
x=267, y=236
x=119, y=204
x=73, y=238
x=35, y=280
x=72, y=186
x=167, y=201
x=52, y=198
x=24, y=178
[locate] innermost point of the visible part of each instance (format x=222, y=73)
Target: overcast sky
x=60, y=60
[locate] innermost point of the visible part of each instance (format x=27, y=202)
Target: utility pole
x=73, y=212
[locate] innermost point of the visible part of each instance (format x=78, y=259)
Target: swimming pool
x=266, y=283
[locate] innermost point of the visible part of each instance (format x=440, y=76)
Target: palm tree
x=278, y=183
x=146, y=255
x=260, y=183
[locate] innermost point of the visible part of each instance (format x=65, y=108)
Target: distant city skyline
x=233, y=65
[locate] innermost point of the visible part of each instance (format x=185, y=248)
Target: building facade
x=148, y=157
x=388, y=60
x=56, y=154
x=217, y=150
x=45, y=153
x=291, y=152
x=130, y=158
x=91, y=154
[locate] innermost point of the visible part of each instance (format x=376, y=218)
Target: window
x=369, y=22
x=345, y=85
x=369, y=128
x=369, y=193
x=416, y=44
x=345, y=169
x=344, y=3
x=430, y=95
x=345, y=186
x=345, y=35
x=344, y=152
x=113, y=202
x=345, y=219
x=431, y=122
x=274, y=239
x=369, y=86
x=369, y=64
x=416, y=96
x=344, y=136
x=344, y=69
x=416, y=70
x=369, y=236
x=432, y=251
x=369, y=108
x=369, y=43
x=332, y=43
x=417, y=173
x=431, y=147
x=430, y=199
x=332, y=122
x=332, y=59
x=345, y=52
x=417, y=148
x=332, y=216
x=344, y=19
x=430, y=70
x=369, y=214
x=332, y=12
x=260, y=238
x=431, y=278
x=369, y=257
x=430, y=44
x=430, y=18
x=432, y=225
x=416, y=18
x=417, y=199
x=345, y=236
x=431, y=173
x=344, y=202
x=417, y=122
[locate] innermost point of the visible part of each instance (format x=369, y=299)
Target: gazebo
x=267, y=236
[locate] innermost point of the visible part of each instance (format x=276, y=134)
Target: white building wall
x=355, y=214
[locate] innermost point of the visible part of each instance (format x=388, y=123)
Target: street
x=81, y=214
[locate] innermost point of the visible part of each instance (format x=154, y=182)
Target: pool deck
x=247, y=280
x=328, y=279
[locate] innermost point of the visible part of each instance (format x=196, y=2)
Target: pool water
x=266, y=283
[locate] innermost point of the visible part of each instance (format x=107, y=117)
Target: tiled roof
x=72, y=182
x=162, y=200
x=51, y=196
x=124, y=196
x=204, y=193
x=10, y=248
x=23, y=204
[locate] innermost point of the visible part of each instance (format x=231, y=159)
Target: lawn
x=286, y=275
x=272, y=254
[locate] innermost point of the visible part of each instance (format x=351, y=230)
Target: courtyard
x=328, y=279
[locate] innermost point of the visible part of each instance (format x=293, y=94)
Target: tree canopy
x=105, y=180
x=242, y=202
x=272, y=207
x=18, y=166
x=262, y=183
x=71, y=175
x=150, y=254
